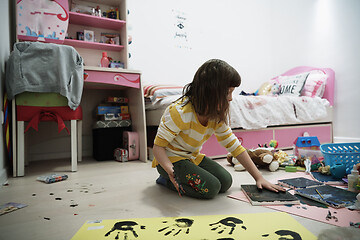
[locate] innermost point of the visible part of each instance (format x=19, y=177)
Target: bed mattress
x=256, y=112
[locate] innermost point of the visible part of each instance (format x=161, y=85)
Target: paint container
x=353, y=179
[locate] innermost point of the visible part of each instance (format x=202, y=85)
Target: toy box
x=101, y=110
x=306, y=146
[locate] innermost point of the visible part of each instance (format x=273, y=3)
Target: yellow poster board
x=267, y=226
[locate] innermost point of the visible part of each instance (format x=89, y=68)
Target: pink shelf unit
x=35, y=39
x=93, y=45
x=94, y=21
x=112, y=78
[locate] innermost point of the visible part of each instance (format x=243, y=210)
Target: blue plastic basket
x=345, y=153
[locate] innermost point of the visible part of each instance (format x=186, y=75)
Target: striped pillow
x=155, y=92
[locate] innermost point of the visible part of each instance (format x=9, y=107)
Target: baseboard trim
x=53, y=156
x=345, y=140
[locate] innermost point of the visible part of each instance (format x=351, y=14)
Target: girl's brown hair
x=209, y=89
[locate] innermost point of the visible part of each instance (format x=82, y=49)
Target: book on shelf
x=258, y=196
x=117, y=100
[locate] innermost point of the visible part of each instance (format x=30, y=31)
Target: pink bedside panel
x=251, y=139
x=212, y=148
x=114, y=78
x=287, y=136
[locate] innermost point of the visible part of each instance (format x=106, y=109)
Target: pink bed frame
x=285, y=135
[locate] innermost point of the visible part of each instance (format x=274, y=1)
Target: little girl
x=186, y=125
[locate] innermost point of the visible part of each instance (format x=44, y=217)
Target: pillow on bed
x=292, y=85
x=155, y=92
x=315, y=84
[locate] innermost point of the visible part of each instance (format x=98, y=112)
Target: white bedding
x=250, y=112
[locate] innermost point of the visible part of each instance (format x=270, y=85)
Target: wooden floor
x=109, y=190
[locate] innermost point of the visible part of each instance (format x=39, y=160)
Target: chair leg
x=79, y=138
x=14, y=137
x=20, y=149
x=73, y=146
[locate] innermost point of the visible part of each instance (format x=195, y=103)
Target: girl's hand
x=161, y=157
x=173, y=179
x=262, y=183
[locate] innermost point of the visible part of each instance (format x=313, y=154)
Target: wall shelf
x=94, y=21
x=93, y=45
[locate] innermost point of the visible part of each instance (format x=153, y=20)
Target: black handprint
x=285, y=235
x=124, y=226
x=179, y=225
x=227, y=222
x=293, y=235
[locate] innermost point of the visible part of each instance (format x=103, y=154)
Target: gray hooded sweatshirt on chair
x=45, y=67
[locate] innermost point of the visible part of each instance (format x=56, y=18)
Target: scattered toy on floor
x=262, y=158
x=325, y=170
x=272, y=144
x=282, y=157
x=51, y=178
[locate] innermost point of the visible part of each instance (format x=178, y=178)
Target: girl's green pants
x=204, y=181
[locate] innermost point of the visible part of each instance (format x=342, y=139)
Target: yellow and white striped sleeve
x=227, y=139
x=170, y=125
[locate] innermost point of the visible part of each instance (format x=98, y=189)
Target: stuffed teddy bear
x=262, y=157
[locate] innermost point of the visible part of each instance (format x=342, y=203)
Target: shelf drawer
x=251, y=139
x=113, y=78
x=212, y=148
x=248, y=139
x=287, y=135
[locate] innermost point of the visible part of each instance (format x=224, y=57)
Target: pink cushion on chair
x=34, y=115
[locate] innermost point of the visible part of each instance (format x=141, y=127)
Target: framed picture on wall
x=88, y=36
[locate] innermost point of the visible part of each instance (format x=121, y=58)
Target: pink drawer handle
x=133, y=79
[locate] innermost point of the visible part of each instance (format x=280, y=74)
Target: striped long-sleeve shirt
x=182, y=135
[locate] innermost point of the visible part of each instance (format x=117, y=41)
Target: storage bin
x=345, y=153
x=106, y=140
x=312, y=154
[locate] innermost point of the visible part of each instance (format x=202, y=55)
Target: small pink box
x=131, y=143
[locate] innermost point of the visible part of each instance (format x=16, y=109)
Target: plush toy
x=282, y=157
x=262, y=157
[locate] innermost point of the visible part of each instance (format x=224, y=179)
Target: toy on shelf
x=104, y=62
x=110, y=38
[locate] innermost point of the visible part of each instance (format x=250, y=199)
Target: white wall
x=4, y=54
x=260, y=38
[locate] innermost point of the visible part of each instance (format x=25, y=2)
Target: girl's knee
x=210, y=190
x=226, y=182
